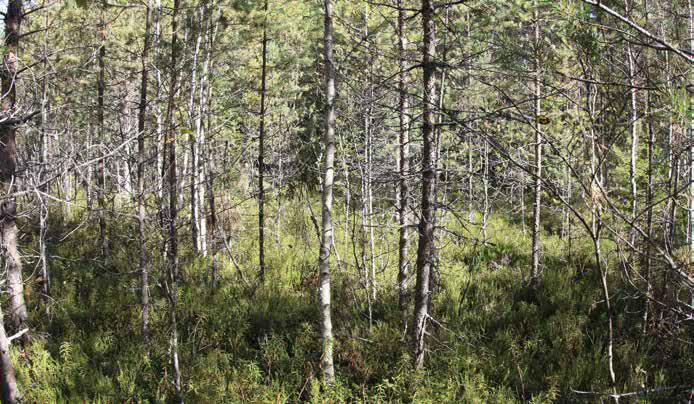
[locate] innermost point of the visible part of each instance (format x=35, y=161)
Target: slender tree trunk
x=213, y=224
x=142, y=161
x=403, y=169
x=172, y=251
x=101, y=179
x=261, y=152
x=673, y=179
x=470, y=177
x=634, y=139
x=8, y=382
x=485, y=189
x=673, y=171
x=205, y=98
x=426, y=245
x=212, y=206
x=278, y=184
x=8, y=168
x=440, y=186
x=160, y=145
x=210, y=167
x=348, y=190
x=368, y=129
x=596, y=190
x=8, y=206
x=537, y=206
x=646, y=259
x=192, y=137
x=690, y=231
x=327, y=199
x=521, y=198
x=44, y=187
x=364, y=239
x=88, y=188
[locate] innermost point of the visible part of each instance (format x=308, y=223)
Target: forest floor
x=492, y=339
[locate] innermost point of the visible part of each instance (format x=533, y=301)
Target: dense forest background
x=340, y=201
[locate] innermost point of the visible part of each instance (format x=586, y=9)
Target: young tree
x=101, y=133
x=43, y=171
x=403, y=166
x=426, y=245
x=327, y=231
x=172, y=212
x=261, y=151
x=537, y=206
x=691, y=148
x=141, y=163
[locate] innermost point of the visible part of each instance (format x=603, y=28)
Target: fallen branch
x=17, y=335
x=599, y=4
x=643, y=392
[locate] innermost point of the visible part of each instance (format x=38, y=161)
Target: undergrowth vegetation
x=492, y=338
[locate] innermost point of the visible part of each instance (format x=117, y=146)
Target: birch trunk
x=537, y=206
x=403, y=169
x=192, y=141
x=327, y=199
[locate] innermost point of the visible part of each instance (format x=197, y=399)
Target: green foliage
x=494, y=340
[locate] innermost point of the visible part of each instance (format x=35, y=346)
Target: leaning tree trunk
x=596, y=198
x=403, y=169
x=8, y=167
x=426, y=246
x=327, y=199
x=8, y=382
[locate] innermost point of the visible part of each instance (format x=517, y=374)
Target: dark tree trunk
x=426, y=245
x=8, y=382
x=261, y=154
x=101, y=175
x=8, y=167
x=172, y=185
x=142, y=157
x=8, y=207
x=44, y=183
